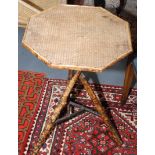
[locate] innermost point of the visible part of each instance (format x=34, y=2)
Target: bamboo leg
x=70, y=108
x=101, y=110
x=129, y=76
x=70, y=74
x=50, y=123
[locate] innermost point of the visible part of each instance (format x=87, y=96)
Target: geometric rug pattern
x=30, y=86
x=86, y=134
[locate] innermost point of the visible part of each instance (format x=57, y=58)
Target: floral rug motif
x=87, y=134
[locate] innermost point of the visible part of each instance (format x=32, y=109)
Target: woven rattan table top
x=78, y=37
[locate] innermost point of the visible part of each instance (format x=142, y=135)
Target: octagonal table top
x=78, y=38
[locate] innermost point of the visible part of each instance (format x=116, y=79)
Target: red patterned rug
x=86, y=134
x=30, y=87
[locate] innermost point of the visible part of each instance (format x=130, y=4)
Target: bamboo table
x=78, y=38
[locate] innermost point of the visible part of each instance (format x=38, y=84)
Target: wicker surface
x=45, y=4
x=25, y=11
x=78, y=37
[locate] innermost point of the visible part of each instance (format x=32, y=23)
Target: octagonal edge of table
x=78, y=38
